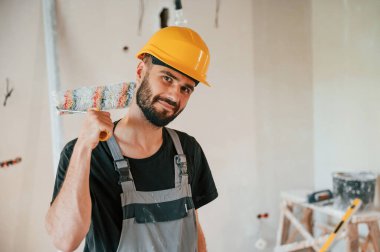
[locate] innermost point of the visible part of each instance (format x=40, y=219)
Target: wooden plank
x=292, y=237
x=296, y=246
x=286, y=224
x=352, y=237
x=300, y=228
x=307, y=221
x=298, y=225
x=366, y=216
x=280, y=227
x=364, y=246
x=374, y=234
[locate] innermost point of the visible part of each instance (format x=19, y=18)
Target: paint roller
x=100, y=98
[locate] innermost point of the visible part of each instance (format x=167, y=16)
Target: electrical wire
x=217, y=13
x=8, y=94
x=141, y=15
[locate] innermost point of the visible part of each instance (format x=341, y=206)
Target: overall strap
x=180, y=163
x=121, y=165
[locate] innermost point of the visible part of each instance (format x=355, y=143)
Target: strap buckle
x=181, y=162
x=123, y=168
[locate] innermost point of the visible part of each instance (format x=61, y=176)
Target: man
x=162, y=175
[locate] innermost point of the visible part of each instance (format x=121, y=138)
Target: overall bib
x=159, y=221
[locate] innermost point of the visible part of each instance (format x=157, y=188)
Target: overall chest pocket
x=159, y=212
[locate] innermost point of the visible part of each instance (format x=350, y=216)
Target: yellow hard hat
x=181, y=48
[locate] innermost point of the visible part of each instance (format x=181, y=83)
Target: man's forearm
x=69, y=217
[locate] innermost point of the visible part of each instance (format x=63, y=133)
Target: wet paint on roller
x=101, y=97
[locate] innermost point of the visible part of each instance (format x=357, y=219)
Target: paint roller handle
x=104, y=135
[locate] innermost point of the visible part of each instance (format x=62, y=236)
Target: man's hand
x=96, y=122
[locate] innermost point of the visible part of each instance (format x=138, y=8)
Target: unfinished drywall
x=282, y=100
x=25, y=188
x=346, y=78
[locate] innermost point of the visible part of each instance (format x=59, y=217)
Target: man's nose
x=174, y=93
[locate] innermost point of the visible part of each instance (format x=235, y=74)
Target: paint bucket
x=350, y=185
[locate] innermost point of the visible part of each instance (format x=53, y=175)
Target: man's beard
x=145, y=101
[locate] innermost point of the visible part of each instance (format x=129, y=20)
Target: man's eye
x=187, y=90
x=167, y=78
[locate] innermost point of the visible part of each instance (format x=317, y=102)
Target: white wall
x=283, y=95
x=25, y=189
x=346, y=79
x=282, y=98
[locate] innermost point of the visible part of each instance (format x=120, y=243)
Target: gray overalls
x=158, y=220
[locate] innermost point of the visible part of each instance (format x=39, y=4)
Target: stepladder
x=299, y=231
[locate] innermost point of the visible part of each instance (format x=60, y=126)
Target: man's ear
x=139, y=71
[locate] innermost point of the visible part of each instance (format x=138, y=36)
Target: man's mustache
x=172, y=103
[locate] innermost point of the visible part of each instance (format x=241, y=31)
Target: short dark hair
x=147, y=59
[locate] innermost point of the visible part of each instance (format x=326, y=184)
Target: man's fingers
x=98, y=126
x=106, y=125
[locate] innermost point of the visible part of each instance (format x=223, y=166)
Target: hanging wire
x=217, y=13
x=141, y=15
x=8, y=93
x=164, y=16
x=178, y=4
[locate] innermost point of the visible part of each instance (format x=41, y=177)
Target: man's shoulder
x=184, y=137
x=183, y=134
x=188, y=142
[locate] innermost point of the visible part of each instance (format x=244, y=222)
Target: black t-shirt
x=150, y=174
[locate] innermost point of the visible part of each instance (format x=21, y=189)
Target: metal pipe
x=49, y=14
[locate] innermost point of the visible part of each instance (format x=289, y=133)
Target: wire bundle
x=10, y=162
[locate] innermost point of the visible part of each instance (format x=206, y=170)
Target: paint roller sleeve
x=107, y=97
x=82, y=99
